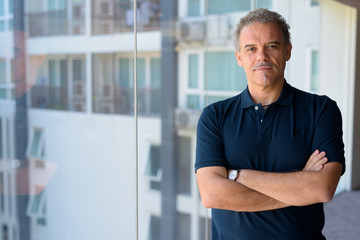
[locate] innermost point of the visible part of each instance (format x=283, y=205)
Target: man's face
x=263, y=54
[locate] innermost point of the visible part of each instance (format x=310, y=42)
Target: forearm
x=296, y=188
x=219, y=192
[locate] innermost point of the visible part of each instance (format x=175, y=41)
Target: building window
x=221, y=78
x=61, y=84
x=113, y=84
x=313, y=69
x=36, y=149
x=3, y=88
x=314, y=3
x=37, y=200
x=184, y=166
x=223, y=72
x=263, y=4
x=193, y=7
x=37, y=208
x=154, y=228
x=2, y=7
x=216, y=7
x=153, y=169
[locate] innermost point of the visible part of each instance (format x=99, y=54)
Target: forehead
x=260, y=32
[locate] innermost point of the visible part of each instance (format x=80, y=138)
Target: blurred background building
x=124, y=170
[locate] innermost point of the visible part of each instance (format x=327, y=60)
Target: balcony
x=123, y=103
x=57, y=22
x=118, y=16
x=49, y=97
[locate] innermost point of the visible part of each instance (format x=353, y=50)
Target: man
x=285, y=145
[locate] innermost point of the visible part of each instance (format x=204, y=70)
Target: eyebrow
x=274, y=42
x=252, y=45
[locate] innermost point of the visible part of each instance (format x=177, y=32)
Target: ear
x=288, y=51
x=238, y=59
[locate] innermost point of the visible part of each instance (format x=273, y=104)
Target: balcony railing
x=58, y=22
x=48, y=97
x=123, y=102
x=115, y=17
x=108, y=17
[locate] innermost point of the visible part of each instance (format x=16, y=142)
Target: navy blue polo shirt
x=237, y=133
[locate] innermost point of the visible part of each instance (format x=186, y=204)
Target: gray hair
x=261, y=15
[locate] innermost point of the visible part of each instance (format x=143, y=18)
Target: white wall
x=92, y=194
x=337, y=68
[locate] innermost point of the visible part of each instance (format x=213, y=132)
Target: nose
x=262, y=55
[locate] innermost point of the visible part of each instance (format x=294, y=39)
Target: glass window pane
x=35, y=145
x=193, y=70
x=77, y=66
x=2, y=7
x=1, y=147
x=193, y=7
x=211, y=99
x=184, y=166
x=52, y=72
x=224, y=73
x=153, y=164
x=225, y=6
x=11, y=6
x=264, y=4
x=193, y=101
x=314, y=3
x=155, y=227
x=3, y=93
x=141, y=72
x=155, y=72
x=124, y=72
x=2, y=71
x=314, y=71
x=2, y=26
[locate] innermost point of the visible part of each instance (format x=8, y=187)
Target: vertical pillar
x=21, y=119
x=355, y=175
x=168, y=133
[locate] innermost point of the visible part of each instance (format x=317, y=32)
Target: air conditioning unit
x=78, y=12
x=104, y=8
x=219, y=28
x=79, y=106
x=78, y=29
x=79, y=90
x=107, y=91
x=191, y=31
x=107, y=107
x=106, y=26
x=187, y=118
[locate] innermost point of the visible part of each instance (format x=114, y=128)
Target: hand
x=316, y=161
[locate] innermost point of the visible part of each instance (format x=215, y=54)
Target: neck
x=266, y=94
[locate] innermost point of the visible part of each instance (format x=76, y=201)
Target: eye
x=251, y=49
x=273, y=46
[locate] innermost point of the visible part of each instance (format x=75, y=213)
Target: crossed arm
x=259, y=191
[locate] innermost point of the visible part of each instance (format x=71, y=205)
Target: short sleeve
x=328, y=134
x=209, y=143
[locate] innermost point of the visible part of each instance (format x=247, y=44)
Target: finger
x=319, y=165
x=314, y=159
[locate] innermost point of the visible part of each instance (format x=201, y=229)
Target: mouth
x=263, y=67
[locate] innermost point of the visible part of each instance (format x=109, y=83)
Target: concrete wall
x=337, y=69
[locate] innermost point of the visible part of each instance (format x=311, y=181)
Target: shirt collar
x=286, y=97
